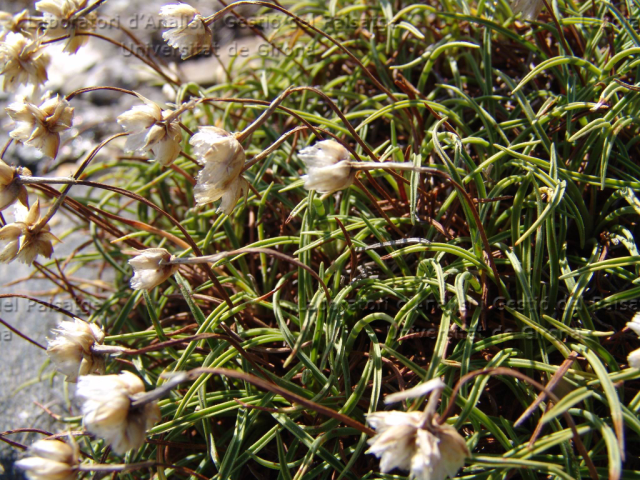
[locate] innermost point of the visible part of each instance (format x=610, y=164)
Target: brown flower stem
x=459, y=188
x=21, y=335
x=88, y=9
x=306, y=25
x=159, y=392
x=272, y=148
x=278, y=390
x=54, y=208
x=521, y=376
x=93, y=89
x=267, y=251
x=243, y=135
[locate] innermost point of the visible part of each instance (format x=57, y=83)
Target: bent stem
x=58, y=203
x=243, y=135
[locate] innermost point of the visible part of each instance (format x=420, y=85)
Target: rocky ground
x=24, y=387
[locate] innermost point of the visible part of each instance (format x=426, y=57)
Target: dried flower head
x=414, y=441
x=148, y=272
x=61, y=19
x=188, y=32
x=148, y=130
x=108, y=412
x=634, y=324
x=327, y=164
x=530, y=9
x=71, y=352
x=223, y=158
x=50, y=460
x=25, y=238
x=23, y=61
x=10, y=189
x=12, y=23
x=40, y=127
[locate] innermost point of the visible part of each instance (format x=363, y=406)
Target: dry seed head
x=40, y=126
x=23, y=61
x=148, y=131
x=107, y=412
x=71, y=352
x=24, y=241
x=222, y=158
x=148, y=272
x=327, y=166
x=50, y=460
x=10, y=190
x=60, y=20
x=187, y=32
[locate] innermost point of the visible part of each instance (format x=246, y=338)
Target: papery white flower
x=187, y=32
x=108, y=413
x=414, y=441
x=10, y=190
x=25, y=240
x=71, y=352
x=12, y=23
x=148, y=273
x=223, y=158
x=60, y=20
x=148, y=130
x=40, y=127
x=634, y=324
x=530, y=9
x=634, y=359
x=23, y=61
x=327, y=166
x=50, y=460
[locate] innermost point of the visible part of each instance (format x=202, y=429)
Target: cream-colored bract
x=107, y=413
x=327, y=167
x=148, y=273
x=40, y=126
x=10, y=190
x=70, y=349
x=23, y=61
x=50, y=460
x=222, y=158
x=61, y=19
x=24, y=240
x=414, y=441
x=187, y=31
x=148, y=131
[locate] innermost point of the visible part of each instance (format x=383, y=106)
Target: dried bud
x=10, y=190
x=530, y=9
x=414, y=442
x=60, y=20
x=50, y=460
x=35, y=241
x=148, y=130
x=187, y=32
x=40, y=127
x=327, y=164
x=71, y=349
x=106, y=407
x=222, y=157
x=23, y=61
x=148, y=273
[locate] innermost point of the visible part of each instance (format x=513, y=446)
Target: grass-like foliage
x=501, y=257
